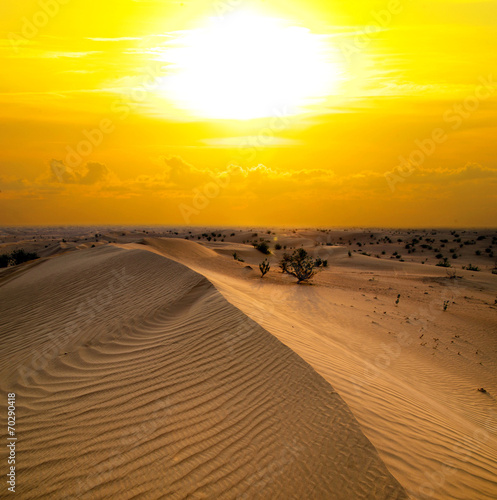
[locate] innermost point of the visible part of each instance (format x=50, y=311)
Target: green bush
x=263, y=247
x=17, y=257
x=444, y=263
x=300, y=265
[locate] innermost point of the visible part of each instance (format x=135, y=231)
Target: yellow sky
x=316, y=113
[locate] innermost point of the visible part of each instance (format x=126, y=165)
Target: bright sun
x=247, y=66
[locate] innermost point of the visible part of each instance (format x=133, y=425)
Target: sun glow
x=247, y=66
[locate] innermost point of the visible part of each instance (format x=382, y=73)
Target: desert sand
x=150, y=363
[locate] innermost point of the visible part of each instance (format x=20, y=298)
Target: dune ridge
x=435, y=432
x=136, y=378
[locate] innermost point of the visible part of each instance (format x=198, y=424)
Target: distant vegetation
x=263, y=247
x=444, y=263
x=236, y=257
x=17, y=257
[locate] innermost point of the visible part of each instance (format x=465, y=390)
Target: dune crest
x=409, y=373
x=135, y=377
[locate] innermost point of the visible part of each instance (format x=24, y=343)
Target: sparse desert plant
x=284, y=262
x=446, y=304
x=398, y=299
x=319, y=262
x=264, y=267
x=350, y=253
x=472, y=268
x=277, y=246
x=20, y=256
x=301, y=265
x=263, y=247
x=443, y=263
x=236, y=257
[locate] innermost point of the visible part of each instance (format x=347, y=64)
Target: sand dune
x=136, y=378
x=409, y=372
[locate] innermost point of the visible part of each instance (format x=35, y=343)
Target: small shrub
x=277, y=246
x=284, y=262
x=446, y=304
x=236, y=257
x=262, y=247
x=301, y=265
x=472, y=268
x=264, y=267
x=444, y=263
x=320, y=262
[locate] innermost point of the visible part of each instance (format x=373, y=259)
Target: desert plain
x=156, y=362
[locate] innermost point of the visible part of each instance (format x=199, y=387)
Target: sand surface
x=409, y=371
x=135, y=377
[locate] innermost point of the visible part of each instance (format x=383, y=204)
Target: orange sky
x=313, y=113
